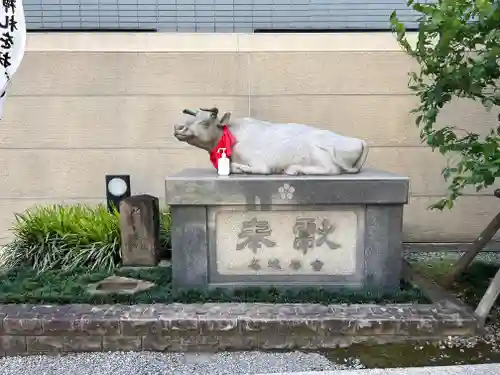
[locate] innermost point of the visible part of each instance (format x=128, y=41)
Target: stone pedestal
x=253, y=230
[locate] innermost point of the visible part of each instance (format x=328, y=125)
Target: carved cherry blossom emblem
x=286, y=191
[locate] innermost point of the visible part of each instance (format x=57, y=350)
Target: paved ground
x=145, y=363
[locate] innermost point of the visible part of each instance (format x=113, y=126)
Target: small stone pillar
x=140, y=230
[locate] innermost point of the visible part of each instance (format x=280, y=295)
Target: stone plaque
x=286, y=242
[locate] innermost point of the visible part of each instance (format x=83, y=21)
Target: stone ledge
x=202, y=187
x=213, y=42
x=31, y=329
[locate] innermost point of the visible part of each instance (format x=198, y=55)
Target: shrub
x=69, y=237
x=457, y=50
x=65, y=237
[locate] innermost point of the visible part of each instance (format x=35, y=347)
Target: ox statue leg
x=252, y=169
x=321, y=164
x=237, y=168
x=312, y=170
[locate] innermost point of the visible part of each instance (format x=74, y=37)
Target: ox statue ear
x=225, y=119
x=189, y=112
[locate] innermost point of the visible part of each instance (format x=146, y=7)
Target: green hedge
x=69, y=237
x=56, y=287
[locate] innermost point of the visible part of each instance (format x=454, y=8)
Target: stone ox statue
x=262, y=147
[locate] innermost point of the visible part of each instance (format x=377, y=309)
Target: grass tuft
x=69, y=237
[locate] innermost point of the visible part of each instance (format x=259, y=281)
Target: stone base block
x=251, y=230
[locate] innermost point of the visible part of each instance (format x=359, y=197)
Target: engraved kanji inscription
x=317, y=265
x=274, y=264
x=307, y=235
x=304, y=231
x=323, y=232
x=254, y=234
x=286, y=244
x=255, y=264
x=295, y=264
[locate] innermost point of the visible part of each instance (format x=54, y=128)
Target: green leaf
x=418, y=120
x=489, y=149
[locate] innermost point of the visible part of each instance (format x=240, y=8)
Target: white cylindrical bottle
x=223, y=164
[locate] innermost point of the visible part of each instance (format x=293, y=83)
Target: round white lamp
x=117, y=189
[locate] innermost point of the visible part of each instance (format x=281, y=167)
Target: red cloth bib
x=227, y=141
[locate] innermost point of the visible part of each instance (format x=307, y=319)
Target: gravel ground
x=489, y=256
x=490, y=369
x=147, y=363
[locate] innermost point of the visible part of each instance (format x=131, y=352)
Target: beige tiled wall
x=84, y=105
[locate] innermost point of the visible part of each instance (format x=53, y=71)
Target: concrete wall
x=83, y=105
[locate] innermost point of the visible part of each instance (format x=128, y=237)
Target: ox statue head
x=201, y=128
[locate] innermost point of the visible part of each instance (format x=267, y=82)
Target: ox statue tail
x=358, y=164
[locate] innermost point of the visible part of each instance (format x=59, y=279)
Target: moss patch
x=56, y=287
